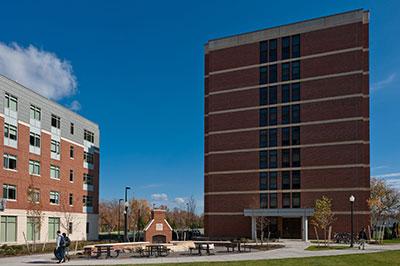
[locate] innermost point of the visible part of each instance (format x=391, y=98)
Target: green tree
x=323, y=215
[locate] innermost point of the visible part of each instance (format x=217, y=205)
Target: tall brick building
x=286, y=122
x=50, y=173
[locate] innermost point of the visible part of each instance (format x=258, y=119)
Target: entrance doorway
x=291, y=228
x=159, y=239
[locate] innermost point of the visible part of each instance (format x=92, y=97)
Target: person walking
x=67, y=243
x=60, y=247
x=362, y=238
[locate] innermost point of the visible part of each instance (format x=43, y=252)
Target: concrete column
x=305, y=228
x=253, y=228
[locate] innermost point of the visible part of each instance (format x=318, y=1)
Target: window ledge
x=11, y=170
x=57, y=179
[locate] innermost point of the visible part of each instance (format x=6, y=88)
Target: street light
x=119, y=218
x=352, y=199
x=126, y=215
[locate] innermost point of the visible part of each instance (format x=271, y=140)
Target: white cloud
x=38, y=70
x=383, y=83
x=159, y=197
x=179, y=201
x=389, y=175
x=75, y=106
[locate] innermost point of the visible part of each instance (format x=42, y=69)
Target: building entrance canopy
x=303, y=213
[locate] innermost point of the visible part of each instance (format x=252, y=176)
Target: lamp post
x=119, y=218
x=352, y=199
x=126, y=215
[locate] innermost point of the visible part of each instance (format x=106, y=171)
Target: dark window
x=296, y=92
x=263, y=52
x=285, y=136
x=273, y=137
x=286, y=158
x=273, y=203
x=285, y=47
x=296, y=46
x=55, y=121
x=273, y=159
x=72, y=129
x=296, y=113
x=263, y=96
x=273, y=50
x=295, y=157
x=263, y=138
x=263, y=117
x=71, y=175
x=263, y=159
x=87, y=228
x=285, y=114
x=272, y=116
x=285, y=200
x=286, y=180
x=71, y=151
x=273, y=74
x=70, y=228
x=263, y=200
x=273, y=181
x=296, y=180
x=263, y=181
x=296, y=200
x=263, y=75
x=285, y=71
x=272, y=95
x=296, y=70
x=71, y=199
x=286, y=93
x=295, y=135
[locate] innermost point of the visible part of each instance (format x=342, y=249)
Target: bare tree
x=262, y=222
x=34, y=211
x=69, y=218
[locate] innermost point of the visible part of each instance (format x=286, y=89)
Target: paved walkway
x=292, y=249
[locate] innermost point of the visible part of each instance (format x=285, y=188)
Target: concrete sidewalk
x=292, y=249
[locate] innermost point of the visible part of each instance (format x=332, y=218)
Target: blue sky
x=138, y=67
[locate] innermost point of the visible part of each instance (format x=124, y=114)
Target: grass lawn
x=323, y=247
x=391, y=241
x=381, y=258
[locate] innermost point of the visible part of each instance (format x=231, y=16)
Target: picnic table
x=158, y=250
x=206, y=245
x=106, y=249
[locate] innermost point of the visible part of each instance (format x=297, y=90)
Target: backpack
x=62, y=241
x=67, y=241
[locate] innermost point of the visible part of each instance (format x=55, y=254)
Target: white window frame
x=34, y=167
x=37, y=140
x=6, y=161
x=35, y=113
x=57, y=146
x=11, y=99
x=56, y=170
x=7, y=131
x=8, y=187
x=55, y=195
x=88, y=136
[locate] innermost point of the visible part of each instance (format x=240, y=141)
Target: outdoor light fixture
x=119, y=217
x=352, y=199
x=126, y=215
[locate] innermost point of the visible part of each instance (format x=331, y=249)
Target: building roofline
x=287, y=29
x=52, y=101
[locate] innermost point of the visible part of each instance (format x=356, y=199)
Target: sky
x=136, y=68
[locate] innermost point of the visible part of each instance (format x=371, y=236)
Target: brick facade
x=333, y=123
x=158, y=230
x=83, y=217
